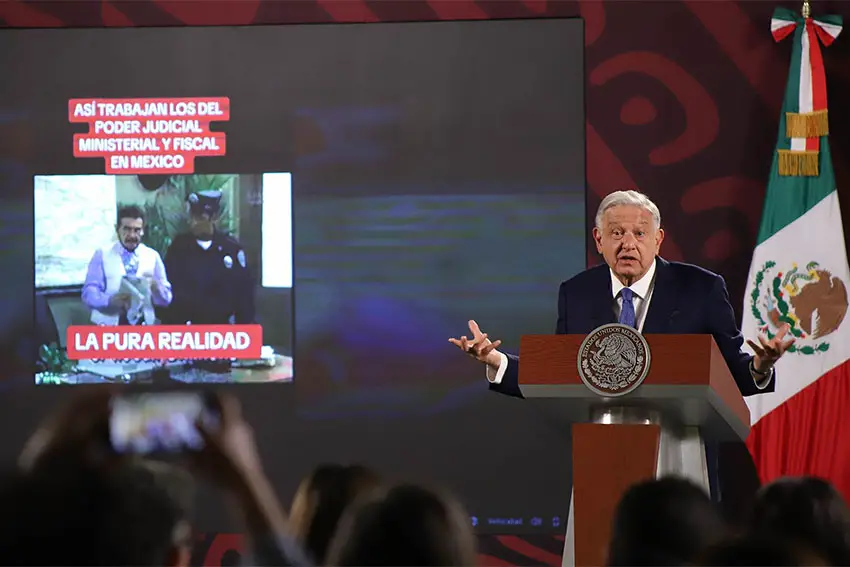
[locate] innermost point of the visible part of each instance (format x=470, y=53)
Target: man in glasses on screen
x=208, y=270
x=127, y=279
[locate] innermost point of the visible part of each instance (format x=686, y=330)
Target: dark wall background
x=683, y=97
x=682, y=101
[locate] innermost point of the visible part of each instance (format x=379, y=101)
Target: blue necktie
x=131, y=262
x=627, y=314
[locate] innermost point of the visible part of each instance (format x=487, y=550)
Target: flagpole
x=807, y=9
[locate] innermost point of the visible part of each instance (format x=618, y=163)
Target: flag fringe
x=808, y=125
x=798, y=164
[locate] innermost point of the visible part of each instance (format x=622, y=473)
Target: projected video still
x=180, y=277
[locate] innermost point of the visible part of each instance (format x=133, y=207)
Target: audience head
x=807, y=511
x=321, y=500
x=179, y=487
x=404, y=525
x=668, y=521
x=126, y=514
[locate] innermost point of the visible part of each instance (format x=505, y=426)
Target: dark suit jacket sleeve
x=510, y=380
x=730, y=340
x=183, y=302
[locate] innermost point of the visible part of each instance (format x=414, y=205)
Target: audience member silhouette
x=121, y=515
x=75, y=501
x=663, y=522
x=321, y=499
x=404, y=525
x=805, y=511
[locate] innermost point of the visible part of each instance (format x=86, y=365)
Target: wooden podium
x=688, y=397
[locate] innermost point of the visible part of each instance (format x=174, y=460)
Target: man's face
x=202, y=224
x=629, y=241
x=130, y=232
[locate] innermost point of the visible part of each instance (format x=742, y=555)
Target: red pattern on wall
x=682, y=102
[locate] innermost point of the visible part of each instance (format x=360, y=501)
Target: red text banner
x=149, y=135
x=164, y=342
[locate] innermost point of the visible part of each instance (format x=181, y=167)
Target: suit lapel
x=665, y=297
x=602, y=309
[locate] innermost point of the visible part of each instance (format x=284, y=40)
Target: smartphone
x=163, y=422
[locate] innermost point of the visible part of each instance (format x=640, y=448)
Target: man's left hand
x=769, y=351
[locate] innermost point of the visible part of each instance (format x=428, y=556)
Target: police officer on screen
x=210, y=280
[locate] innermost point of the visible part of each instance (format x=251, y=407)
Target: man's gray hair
x=628, y=198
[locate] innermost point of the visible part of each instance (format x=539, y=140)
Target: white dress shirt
x=641, y=296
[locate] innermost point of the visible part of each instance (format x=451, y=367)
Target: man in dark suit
x=637, y=287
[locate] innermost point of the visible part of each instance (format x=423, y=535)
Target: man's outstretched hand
x=769, y=351
x=479, y=346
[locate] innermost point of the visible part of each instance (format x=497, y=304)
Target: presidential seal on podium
x=613, y=360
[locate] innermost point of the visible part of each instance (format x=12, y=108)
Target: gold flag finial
x=807, y=9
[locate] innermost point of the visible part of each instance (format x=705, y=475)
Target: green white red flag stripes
x=806, y=117
x=800, y=276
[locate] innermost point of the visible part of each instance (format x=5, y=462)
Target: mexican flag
x=800, y=276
